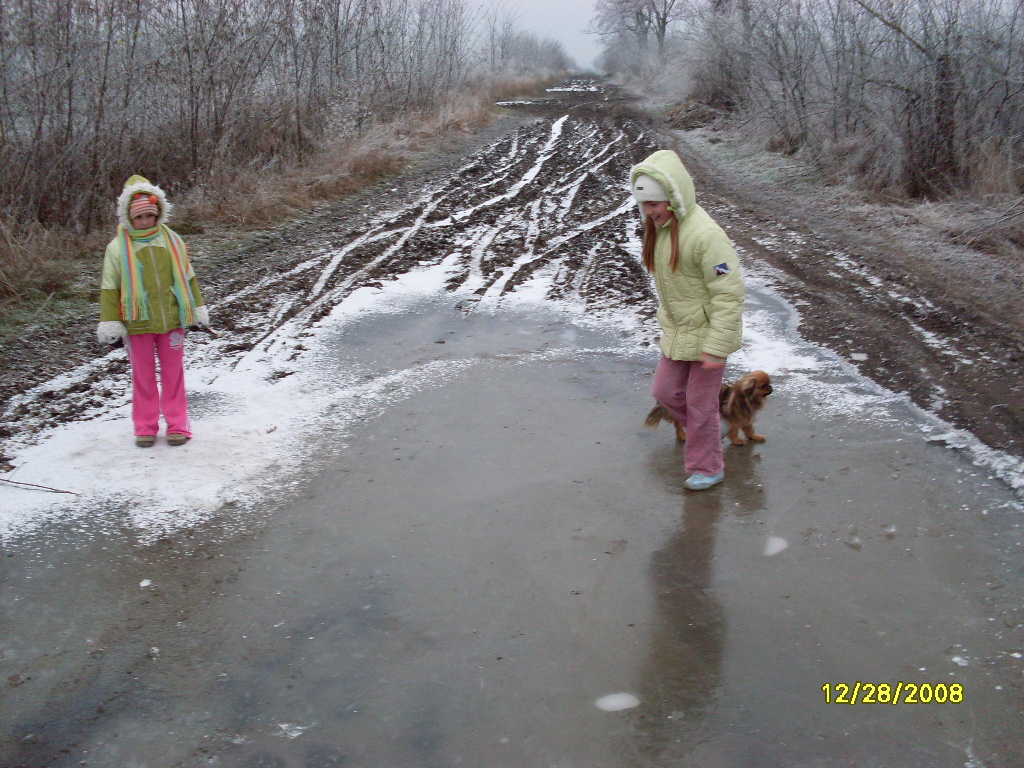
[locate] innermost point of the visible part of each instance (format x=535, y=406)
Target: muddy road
x=492, y=564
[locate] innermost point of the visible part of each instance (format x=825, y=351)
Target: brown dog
x=738, y=403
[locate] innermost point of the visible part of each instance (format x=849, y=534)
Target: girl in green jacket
x=700, y=289
x=149, y=296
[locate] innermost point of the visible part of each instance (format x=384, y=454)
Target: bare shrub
x=868, y=162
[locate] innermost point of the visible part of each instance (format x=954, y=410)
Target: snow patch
x=774, y=544
x=616, y=702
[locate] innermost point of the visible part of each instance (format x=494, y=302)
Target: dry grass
x=994, y=171
x=256, y=197
x=36, y=262
x=993, y=224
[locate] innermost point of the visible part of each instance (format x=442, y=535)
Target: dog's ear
x=748, y=384
x=762, y=381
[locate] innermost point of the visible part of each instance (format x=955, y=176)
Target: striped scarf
x=134, y=304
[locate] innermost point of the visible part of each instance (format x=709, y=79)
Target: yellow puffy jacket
x=701, y=302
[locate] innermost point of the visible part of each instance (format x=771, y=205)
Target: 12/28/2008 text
x=887, y=693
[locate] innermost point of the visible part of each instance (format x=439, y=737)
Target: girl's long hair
x=651, y=235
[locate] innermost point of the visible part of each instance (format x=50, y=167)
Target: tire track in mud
x=548, y=197
x=513, y=208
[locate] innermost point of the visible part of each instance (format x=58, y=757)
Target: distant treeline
x=916, y=97
x=93, y=91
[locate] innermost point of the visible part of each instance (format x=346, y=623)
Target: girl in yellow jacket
x=700, y=289
x=149, y=296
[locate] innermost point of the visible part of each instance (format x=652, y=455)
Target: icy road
x=420, y=524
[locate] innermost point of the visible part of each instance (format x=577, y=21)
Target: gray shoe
x=699, y=482
x=145, y=441
x=176, y=438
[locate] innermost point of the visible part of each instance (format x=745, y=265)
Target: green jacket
x=701, y=303
x=154, y=258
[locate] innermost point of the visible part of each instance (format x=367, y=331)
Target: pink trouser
x=150, y=397
x=690, y=393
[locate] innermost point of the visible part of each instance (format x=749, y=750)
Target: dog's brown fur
x=738, y=403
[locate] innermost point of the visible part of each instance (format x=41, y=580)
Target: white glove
x=202, y=316
x=109, y=331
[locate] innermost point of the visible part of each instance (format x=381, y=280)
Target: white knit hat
x=647, y=190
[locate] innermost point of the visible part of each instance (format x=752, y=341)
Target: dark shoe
x=176, y=438
x=145, y=441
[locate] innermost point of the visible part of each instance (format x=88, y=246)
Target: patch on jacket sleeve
x=722, y=269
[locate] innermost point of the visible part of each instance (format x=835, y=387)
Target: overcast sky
x=562, y=20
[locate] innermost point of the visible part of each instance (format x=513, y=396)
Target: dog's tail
x=656, y=416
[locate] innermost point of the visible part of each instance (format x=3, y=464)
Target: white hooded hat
x=647, y=190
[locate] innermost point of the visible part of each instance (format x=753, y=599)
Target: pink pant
x=690, y=393
x=150, y=397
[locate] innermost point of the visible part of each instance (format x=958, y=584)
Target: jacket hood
x=665, y=167
x=141, y=184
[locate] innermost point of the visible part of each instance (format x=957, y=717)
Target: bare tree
x=636, y=20
x=191, y=90
x=508, y=50
x=924, y=96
